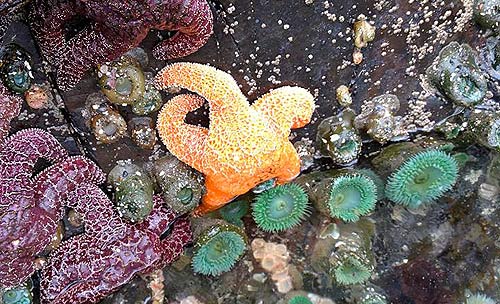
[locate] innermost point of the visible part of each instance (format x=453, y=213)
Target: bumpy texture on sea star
x=30, y=207
x=245, y=144
x=88, y=267
x=115, y=27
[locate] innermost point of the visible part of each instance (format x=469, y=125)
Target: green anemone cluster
x=280, y=208
x=479, y=298
x=299, y=300
x=218, y=248
x=423, y=178
x=124, y=82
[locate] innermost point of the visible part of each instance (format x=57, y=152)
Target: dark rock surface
x=267, y=44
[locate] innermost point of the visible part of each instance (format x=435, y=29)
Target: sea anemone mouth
x=351, y=271
x=280, y=208
x=185, y=195
x=422, y=179
x=351, y=197
x=218, y=250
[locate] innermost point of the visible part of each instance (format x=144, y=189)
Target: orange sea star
x=245, y=145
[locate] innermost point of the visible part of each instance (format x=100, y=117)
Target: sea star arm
x=11, y=274
x=217, y=87
x=97, y=211
x=194, y=28
x=291, y=165
x=173, y=245
x=214, y=198
x=90, y=47
x=48, y=20
x=54, y=184
x=10, y=106
x=21, y=151
x=288, y=107
x=185, y=141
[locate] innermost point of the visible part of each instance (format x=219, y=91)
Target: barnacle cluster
x=280, y=208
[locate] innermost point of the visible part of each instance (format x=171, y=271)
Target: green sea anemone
x=456, y=75
x=379, y=183
x=133, y=191
x=479, y=298
x=299, y=300
x=422, y=179
x=17, y=295
x=378, y=118
x=351, y=271
x=338, y=139
x=352, y=197
x=484, y=127
x=181, y=186
x=15, y=68
x=234, y=211
x=280, y=208
x=351, y=258
x=122, y=81
x=344, y=251
x=150, y=102
x=218, y=248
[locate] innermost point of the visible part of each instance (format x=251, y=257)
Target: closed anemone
x=352, y=197
x=422, y=179
x=234, y=211
x=218, y=249
x=280, y=208
x=18, y=295
x=351, y=271
x=494, y=134
x=299, y=300
x=479, y=299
